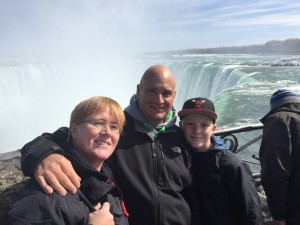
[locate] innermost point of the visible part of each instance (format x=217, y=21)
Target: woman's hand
x=101, y=216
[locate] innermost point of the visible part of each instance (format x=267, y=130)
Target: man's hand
x=102, y=216
x=56, y=173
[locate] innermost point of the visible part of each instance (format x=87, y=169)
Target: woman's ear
x=74, y=130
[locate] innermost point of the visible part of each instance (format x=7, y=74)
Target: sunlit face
x=95, y=145
x=156, y=97
x=197, y=130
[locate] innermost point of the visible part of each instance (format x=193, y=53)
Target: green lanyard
x=160, y=131
x=169, y=116
x=149, y=127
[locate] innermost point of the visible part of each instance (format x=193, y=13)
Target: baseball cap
x=198, y=106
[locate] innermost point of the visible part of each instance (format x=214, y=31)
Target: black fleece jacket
x=153, y=173
x=36, y=207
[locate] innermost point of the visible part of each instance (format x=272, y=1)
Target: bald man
x=151, y=163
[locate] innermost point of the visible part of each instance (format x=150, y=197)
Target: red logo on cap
x=199, y=103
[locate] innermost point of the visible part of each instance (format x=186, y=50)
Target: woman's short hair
x=95, y=105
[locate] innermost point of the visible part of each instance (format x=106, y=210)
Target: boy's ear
x=214, y=128
x=180, y=124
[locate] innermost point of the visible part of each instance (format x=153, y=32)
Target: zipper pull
x=161, y=151
x=153, y=150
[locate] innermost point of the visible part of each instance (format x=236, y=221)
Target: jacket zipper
x=158, y=177
x=154, y=180
x=153, y=150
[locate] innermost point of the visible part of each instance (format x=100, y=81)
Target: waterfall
x=207, y=80
x=20, y=88
x=18, y=80
x=39, y=97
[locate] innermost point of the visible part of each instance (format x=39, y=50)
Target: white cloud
x=118, y=27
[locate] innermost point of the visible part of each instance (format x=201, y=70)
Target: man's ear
x=180, y=124
x=137, y=89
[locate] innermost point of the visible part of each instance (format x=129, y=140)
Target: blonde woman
x=95, y=128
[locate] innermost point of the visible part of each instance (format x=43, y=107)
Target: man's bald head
x=158, y=71
x=156, y=93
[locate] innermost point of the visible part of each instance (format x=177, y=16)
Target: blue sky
x=89, y=29
x=37, y=27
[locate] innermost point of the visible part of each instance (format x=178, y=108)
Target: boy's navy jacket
x=225, y=189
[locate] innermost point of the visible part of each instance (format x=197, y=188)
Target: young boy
x=222, y=182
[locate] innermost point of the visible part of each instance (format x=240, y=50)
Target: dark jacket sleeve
x=276, y=165
x=41, y=147
x=242, y=190
x=36, y=207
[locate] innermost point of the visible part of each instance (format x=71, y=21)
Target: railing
x=232, y=140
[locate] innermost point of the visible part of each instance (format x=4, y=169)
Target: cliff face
x=12, y=181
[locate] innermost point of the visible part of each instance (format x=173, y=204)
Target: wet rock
x=263, y=199
x=12, y=181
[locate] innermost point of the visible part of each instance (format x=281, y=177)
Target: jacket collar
x=291, y=107
x=94, y=184
x=133, y=110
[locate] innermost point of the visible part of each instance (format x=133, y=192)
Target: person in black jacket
x=222, y=182
x=151, y=163
x=95, y=127
x=279, y=155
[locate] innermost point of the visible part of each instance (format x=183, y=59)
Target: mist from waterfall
x=38, y=96
x=57, y=53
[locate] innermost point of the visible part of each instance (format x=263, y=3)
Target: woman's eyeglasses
x=102, y=125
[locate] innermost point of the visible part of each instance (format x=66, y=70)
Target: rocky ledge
x=12, y=181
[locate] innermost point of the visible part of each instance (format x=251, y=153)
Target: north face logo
x=176, y=149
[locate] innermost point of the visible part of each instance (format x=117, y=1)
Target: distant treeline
x=289, y=46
